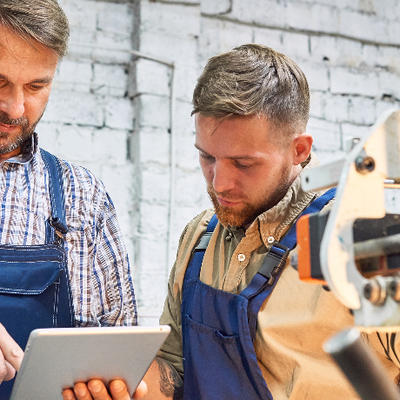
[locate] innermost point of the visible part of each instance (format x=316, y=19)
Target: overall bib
x=218, y=327
x=34, y=284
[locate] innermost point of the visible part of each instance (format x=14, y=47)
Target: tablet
x=57, y=358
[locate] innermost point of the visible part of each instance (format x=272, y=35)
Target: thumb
x=141, y=390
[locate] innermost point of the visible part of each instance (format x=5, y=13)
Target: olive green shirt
x=294, y=321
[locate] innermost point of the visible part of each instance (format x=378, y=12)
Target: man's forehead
x=16, y=46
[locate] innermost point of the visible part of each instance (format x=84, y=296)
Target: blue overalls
x=218, y=327
x=34, y=284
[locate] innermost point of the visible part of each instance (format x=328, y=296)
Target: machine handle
x=361, y=366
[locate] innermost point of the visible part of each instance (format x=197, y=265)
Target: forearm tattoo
x=171, y=384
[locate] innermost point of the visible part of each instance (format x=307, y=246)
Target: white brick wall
x=111, y=111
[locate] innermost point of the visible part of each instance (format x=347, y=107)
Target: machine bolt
x=365, y=164
x=394, y=289
x=375, y=291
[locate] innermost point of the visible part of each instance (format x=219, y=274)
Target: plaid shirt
x=98, y=265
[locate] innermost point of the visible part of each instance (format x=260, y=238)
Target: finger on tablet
x=119, y=390
x=10, y=349
x=141, y=390
x=7, y=371
x=68, y=394
x=82, y=392
x=98, y=390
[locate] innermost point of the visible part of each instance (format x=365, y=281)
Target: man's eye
x=242, y=165
x=207, y=157
x=35, y=88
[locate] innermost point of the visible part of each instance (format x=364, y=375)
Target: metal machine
x=354, y=247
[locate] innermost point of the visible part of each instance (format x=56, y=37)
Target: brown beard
x=232, y=217
x=248, y=213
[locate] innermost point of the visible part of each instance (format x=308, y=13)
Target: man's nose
x=223, y=177
x=13, y=104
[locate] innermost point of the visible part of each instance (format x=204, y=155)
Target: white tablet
x=57, y=358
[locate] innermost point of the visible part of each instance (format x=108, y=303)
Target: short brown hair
x=254, y=79
x=40, y=20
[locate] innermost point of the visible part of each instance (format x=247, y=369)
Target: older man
x=63, y=262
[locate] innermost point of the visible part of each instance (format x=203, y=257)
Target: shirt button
x=241, y=257
x=270, y=239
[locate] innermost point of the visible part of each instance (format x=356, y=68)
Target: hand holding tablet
x=57, y=358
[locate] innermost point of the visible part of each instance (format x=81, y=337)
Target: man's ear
x=301, y=148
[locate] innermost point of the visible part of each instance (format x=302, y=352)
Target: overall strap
x=266, y=278
x=276, y=257
x=57, y=220
x=193, y=270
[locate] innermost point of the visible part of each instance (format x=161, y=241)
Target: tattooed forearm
x=171, y=384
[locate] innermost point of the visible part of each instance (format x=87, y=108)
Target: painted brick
x=336, y=107
x=186, y=155
x=183, y=2
x=169, y=18
x=327, y=135
x=260, y=12
x=269, y=37
x=361, y=110
x=118, y=182
x=119, y=113
x=73, y=76
x=109, y=146
x=216, y=7
x=314, y=17
x=336, y=51
x=296, y=45
x=389, y=84
x=152, y=254
x=113, y=17
x=368, y=27
x=390, y=58
x=84, y=109
x=317, y=75
x=112, y=47
x=153, y=111
x=155, y=185
x=344, y=81
x=154, y=219
x=184, y=122
x=160, y=44
x=389, y=9
x=185, y=81
x=351, y=130
x=75, y=143
x=383, y=106
x=325, y=156
x=219, y=36
x=189, y=187
x=80, y=13
x=317, y=104
x=48, y=136
x=153, y=145
x=151, y=77
x=109, y=80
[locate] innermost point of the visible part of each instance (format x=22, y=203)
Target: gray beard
x=18, y=142
x=25, y=135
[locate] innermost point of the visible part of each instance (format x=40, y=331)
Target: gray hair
x=254, y=80
x=41, y=20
